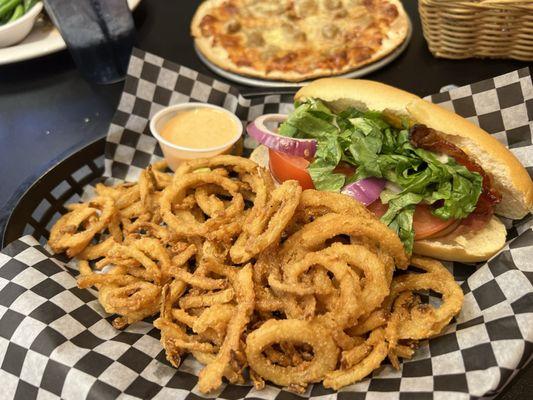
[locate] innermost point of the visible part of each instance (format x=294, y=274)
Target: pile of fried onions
x=298, y=287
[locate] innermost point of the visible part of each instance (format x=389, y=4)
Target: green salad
x=375, y=148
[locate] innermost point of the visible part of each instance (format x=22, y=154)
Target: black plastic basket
x=43, y=202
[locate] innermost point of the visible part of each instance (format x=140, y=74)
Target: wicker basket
x=482, y=28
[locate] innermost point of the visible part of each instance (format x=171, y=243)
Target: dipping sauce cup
x=174, y=153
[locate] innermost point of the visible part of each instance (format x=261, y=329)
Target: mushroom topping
x=293, y=34
x=233, y=26
x=330, y=31
x=341, y=13
x=300, y=36
x=255, y=39
x=305, y=8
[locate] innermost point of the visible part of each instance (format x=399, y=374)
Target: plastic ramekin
x=174, y=154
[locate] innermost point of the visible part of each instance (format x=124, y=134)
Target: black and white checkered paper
x=57, y=342
x=154, y=83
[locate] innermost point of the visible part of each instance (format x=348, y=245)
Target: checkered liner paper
x=56, y=341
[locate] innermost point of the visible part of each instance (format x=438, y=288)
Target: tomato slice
x=344, y=168
x=285, y=167
x=378, y=208
x=425, y=224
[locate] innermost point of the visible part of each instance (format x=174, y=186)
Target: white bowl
x=175, y=154
x=14, y=32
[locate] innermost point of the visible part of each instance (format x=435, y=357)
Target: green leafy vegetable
x=377, y=149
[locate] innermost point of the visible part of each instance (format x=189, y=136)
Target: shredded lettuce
x=375, y=148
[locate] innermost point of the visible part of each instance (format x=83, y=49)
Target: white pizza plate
x=43, y=39
x=246, y=80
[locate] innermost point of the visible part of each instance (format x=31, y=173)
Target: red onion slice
x=292, y=146
x=366, y=190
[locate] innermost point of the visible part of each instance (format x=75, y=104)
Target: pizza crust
x=396, y=35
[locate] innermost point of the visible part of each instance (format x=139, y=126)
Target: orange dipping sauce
x=200, y=128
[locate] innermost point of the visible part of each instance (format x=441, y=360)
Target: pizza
x=294, y=40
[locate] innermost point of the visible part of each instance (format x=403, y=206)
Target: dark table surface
x=47, y=110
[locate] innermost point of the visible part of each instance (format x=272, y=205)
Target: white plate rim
x=248, y=81
x=51, y=44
